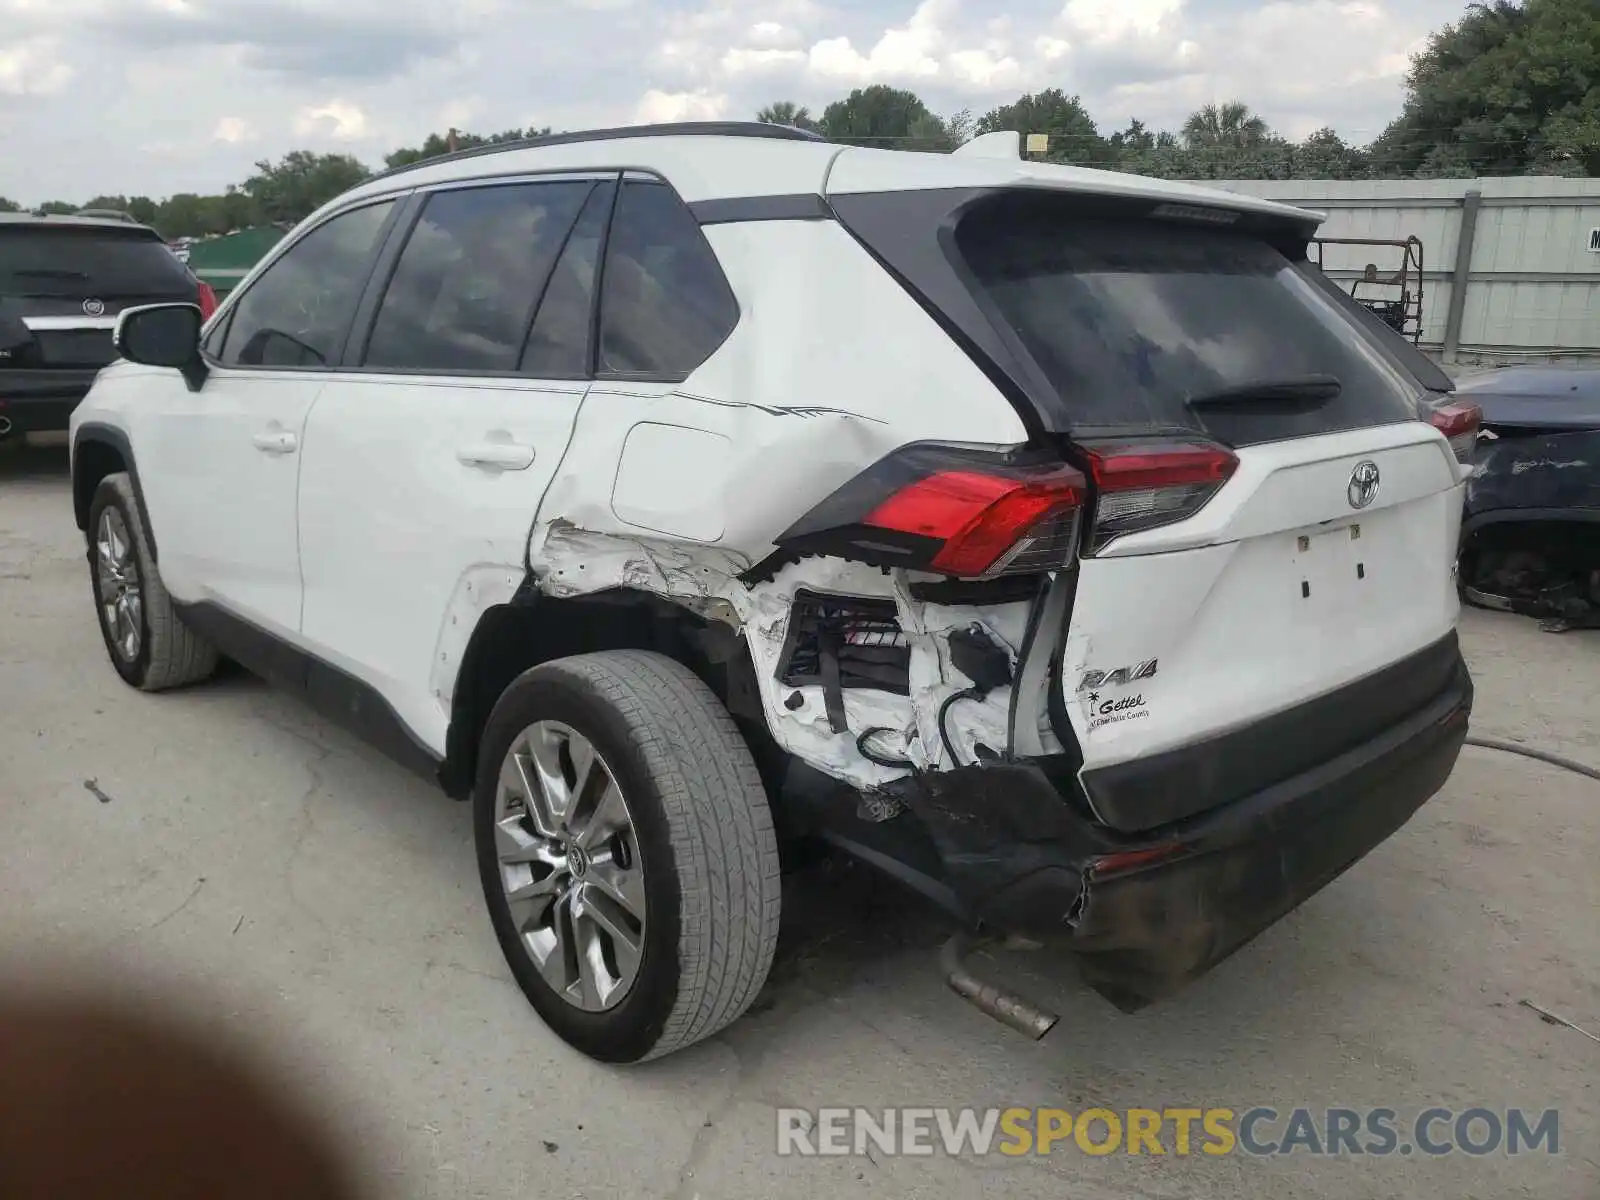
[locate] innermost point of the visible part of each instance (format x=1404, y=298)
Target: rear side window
x=558, y=344
x=665, y=305
x=75, y=263
x=464, y=291
x=298, y=311
x=1131, y=320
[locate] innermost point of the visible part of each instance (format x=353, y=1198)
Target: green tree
x=1511, y=88
x=300, y=182
x=1072, y=132
x=9, y=205
x=885, y=117
x=786, y=112
x=1135, y=138
x=436, y=144
x=1224, y=125
x=57, y=208
x=1231, y=125
x=1325, y=155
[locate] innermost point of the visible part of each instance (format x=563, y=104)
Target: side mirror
x=163, y=335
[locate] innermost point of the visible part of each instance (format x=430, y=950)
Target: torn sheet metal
x=569, y=561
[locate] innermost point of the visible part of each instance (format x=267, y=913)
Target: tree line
x=1512, y=88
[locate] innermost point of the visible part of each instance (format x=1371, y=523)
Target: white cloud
x=983, y=70
x=233, y=129
x=904, y=53
x=1116, y=20
x=656, y=106
x=742, y=61
x=338, y=119
x=33, y=68
x=769, y=35
x=146, y=90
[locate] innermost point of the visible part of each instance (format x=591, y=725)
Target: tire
x=167, y=653
x=701, y=829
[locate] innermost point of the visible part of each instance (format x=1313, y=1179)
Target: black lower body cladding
x=1012, y=850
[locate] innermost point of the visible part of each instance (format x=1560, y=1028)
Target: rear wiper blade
x=49, y=273
x=1300, y=387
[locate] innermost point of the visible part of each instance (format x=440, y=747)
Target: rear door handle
x=275, y=441
x=500, y=456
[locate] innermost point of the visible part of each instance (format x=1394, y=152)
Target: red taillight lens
x=207, y=300
x=990, y=524
x=1460, y=424
x=1143, y=485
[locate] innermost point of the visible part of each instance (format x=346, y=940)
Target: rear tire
x=699, y=830
x=151, y=648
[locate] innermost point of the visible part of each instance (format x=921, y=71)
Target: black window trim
x=366, y=317
x=224, y=315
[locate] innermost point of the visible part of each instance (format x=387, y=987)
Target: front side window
x=665, y=305
x=298, y=312
x=464, y=290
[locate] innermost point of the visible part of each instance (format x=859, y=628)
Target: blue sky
x=160, y=96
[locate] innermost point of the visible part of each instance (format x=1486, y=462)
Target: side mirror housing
x=163, y=335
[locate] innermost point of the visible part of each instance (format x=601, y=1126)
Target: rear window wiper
x=49, y=273
x=1300, y=387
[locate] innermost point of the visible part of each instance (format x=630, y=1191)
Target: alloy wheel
x=121, y=597
x=569, y=865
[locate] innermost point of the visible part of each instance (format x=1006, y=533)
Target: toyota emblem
x=1363, y=489
x=94, y=308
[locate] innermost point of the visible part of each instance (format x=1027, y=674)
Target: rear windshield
x=1134, y=322
x=67, y=262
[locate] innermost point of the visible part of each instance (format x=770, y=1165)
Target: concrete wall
x=1530, y=287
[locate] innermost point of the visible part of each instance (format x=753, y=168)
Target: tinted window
x=464, y=291
x=665, y=305
x=1129, y=320
x=558, y=346
x=297, y=313
x=74, y=263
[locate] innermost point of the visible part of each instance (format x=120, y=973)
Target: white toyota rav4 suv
x=1058, y=541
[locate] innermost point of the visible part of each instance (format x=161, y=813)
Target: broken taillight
x=1145, y=484
x=951, y=510
x=990, y=524
x=1460, y=424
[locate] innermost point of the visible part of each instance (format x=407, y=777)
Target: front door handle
x=275, y=441
x=499, y=456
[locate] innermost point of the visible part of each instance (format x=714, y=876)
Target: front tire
x=151, y=648
x=627, y=853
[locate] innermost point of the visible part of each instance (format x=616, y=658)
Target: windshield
x=1131, y=319
x=73, y=262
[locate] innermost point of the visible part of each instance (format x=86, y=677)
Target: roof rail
x=748, y=129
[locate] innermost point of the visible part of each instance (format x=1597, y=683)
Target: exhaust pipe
x=1006, y=1007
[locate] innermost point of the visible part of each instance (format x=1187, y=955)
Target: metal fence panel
x=1531, y=282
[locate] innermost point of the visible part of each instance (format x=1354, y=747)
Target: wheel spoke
x=544, y=754
x=551, y=950
x=624, y=885
x=602, y=927
x=517, y=779
x=600, y=812
x=513, y=843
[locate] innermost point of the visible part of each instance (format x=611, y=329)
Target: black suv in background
x=63, y=280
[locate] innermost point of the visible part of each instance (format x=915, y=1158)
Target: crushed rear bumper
x=1008, y=847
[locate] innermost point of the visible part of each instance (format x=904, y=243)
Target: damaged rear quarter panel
x=831, y=366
